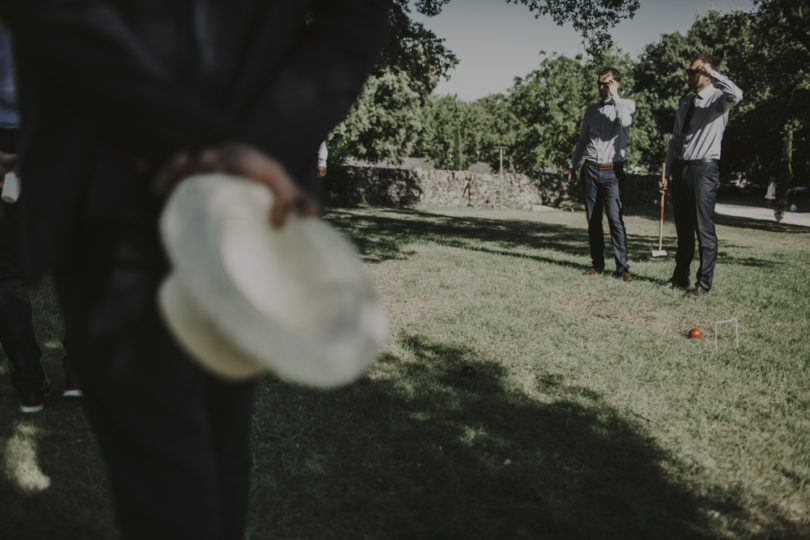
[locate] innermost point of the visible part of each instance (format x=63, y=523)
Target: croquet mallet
x=661, y=252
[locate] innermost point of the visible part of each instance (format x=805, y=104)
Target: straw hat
x=244, y=299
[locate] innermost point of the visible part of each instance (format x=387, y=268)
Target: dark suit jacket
x=106, y=83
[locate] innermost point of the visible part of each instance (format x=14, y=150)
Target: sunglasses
x=691, y=72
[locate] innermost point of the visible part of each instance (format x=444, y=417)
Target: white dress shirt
x=604, y=132
x=323, y=154
x=708, y=122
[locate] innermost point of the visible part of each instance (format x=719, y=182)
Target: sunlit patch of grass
x=20, y=460
x=515, y=398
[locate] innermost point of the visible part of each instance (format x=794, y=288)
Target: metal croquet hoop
x=736, y=330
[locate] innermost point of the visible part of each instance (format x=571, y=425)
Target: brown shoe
x=591, y=271
x=626, y=276
x=696, y=292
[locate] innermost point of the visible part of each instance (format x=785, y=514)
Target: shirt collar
x=709, y=89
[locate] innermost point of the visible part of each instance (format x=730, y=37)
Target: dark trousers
x=694, y=192
x=16, y=325
x=175, y=439
x=603, y=191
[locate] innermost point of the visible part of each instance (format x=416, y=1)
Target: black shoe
x=34, y=401
x=72, y=389
x=672, y=284
x=697, y=291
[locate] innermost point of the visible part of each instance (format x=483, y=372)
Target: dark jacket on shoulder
x=106, y=84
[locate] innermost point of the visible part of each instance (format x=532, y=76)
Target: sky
x=496, y=41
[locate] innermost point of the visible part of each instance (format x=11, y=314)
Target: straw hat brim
x=244, y=298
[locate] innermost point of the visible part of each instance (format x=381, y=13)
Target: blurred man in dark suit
x=16, y=319
x=120, y=101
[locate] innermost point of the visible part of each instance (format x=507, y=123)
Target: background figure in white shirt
x=602, y=142
x=692, y=168
x=323, y=154
x=770, y=194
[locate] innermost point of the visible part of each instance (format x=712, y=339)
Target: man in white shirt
x=692, y=168
x=323, y=156
x=602, y=142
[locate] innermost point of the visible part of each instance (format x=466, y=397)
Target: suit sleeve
x=101, y=67
x=625, y=111
x=317, y=85
x=732, y=94
x=86, y=47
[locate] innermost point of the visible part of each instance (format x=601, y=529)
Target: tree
x=787, y=25
x=443, y=119
x=491, y=123
x=763, y=55
x=383, y=123
x=549, y=103
x=659, y=81
x=415, y=50
x=591, y=18
x=415, y=56
x=424, y=57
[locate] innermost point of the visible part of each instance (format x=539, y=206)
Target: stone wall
x=391, y=186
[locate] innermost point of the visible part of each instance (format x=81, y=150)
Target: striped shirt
x=704, y=136
x=604, y=131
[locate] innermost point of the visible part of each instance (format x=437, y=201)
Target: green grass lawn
x=516, y=398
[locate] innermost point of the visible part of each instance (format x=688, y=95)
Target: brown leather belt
x=601, y=165
x=696, y=161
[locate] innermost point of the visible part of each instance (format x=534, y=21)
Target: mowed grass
x=515, y=398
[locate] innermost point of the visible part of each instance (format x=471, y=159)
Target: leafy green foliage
x=764, y=51
x=383, y=123
x=456, y=134
x=442, y=118
x=762, y=55
x=491, y=123
x=417, y=55
x=549, y=102
x=659, y=82
x=591, y=18
x=415, y=50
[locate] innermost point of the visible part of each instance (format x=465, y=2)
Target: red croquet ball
x=695, y=333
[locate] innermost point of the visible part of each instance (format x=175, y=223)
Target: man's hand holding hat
x=240, y=159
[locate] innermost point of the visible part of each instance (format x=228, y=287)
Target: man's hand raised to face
x=613, y=88
x=663, y=182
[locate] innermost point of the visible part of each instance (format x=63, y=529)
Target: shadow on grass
x=381, y=237
x=52, y=482
x=439, y=447
x=651, y=212
x=436, y=447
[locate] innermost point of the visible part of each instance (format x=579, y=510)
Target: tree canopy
x=765, y=51
x=418, y=59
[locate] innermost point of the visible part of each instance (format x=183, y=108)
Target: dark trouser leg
x=68, y=364
x=611, y=195
x=593, y=213
x=683, y=206
x=175, y=439
x=706, y=179
x=229, y=406
x=16, y=321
